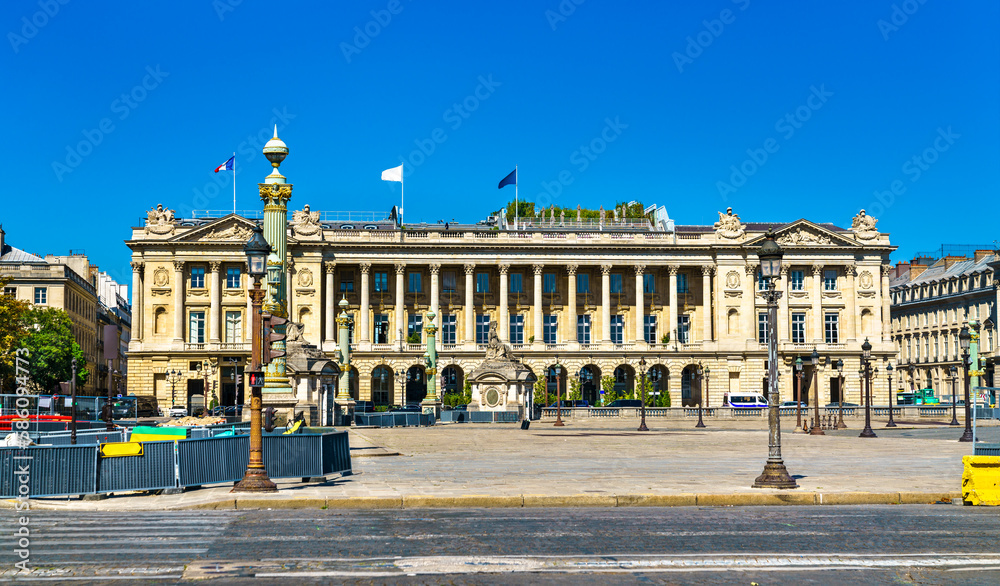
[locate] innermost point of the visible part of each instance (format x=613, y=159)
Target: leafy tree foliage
x=12, y=331
x=52, y=346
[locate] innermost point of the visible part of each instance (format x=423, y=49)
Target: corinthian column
x=364, y=268
x=216, y=304
x=672, y=326
x=435, y=270
x=852, y=320
x=470, y=307
x=537, y=309
x=137, y=300
x=783, y=332
x=817, y=304
x=706, y=302
x=504, y=325
x=330, y=317
x=640, y=304
x=883, y=316
x=571, y=302
x=400, y=302
x=606, y=303
x=178, y=301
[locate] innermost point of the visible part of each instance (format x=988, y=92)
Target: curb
x=531, y=501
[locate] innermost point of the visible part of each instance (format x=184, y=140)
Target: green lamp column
x=431, y=403
x=343, y=329
x=275, y=193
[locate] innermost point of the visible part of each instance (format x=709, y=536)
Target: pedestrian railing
x=83, y=437
x=884, y=411
x=932, y=411
x=411, y=419
x=40, y=471
x=604, y=412
x=748, y=412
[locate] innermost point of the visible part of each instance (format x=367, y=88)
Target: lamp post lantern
x=888, y=378
x=798, y=395
x=255, y=478
x=840, y=386
x=954, y=392
x=866, y=354
x=557, y=369
x=816, y=428
x=173, y=377
x=642, y=422
x=775, y=475
x=965, y=340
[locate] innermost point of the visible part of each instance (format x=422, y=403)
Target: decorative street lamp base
x=891, y=423
x=816, y=430
x=559, y=423
x=255, y=482
x=841, y=424
x=700, y=423
x=798, y=430
x=966, y=437
x=867, y=432
x=775, y=476
x=954, y=422
x=642, y=426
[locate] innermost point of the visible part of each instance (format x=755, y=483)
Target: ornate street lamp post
x=965, y=339
x=557, y=369
x=954, y=393
x=255, y=479
x=840, y=386
x=401, y=375
x=208, y=369
x=703, y=376
x=866, y=354
x=775, y=475
x=817, y=428
x=173, y=376
x=642, y=422
x=888, y=378
x=798, y=396
x=913, y=376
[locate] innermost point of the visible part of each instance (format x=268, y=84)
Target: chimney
x=980, y=254
x=950, y=260
x=902, y=268
x=916, y=270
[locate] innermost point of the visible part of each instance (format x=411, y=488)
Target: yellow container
x=981, y=480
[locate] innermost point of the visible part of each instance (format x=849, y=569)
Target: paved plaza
x=605, y=463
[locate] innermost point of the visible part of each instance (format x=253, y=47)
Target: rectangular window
x=381, y=328
x=946, y=355
x=347, y=282
x=415, y=284
x=832, y=330
x=798, y=328
x=583, y=329
x=762, y=327
x=482, y=283
x=234, y=327
x=616, y=283
x=516, y=328
x=197, y=277
x=10, y=291
x=549, y=283
x=917, y=357
x=682, y=283
x=516, y=283
x=482, y=328
x=797, y=280
x=583, y=283
x=550, y=328
x=448, y=335
x=233, y=275
x=617, y=329
x=925, y=318
x=761, y=281
x=683, y=328
x=927, y=348
x=41, y=295
x=196, y=330
x=649, y=329
x=381, y=284
x=448, y=282
x=648, y=283
x=936, y=348
x=415, y=325
x=830, y=280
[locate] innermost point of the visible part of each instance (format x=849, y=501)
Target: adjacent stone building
x=933, y=298
x=598, y=295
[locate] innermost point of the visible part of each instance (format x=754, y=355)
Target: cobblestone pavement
x=940, y=544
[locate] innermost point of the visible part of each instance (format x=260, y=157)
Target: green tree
x=12, y=332
x=608, y=385
x=574, y=390
x=540, y=392
x=52, y=347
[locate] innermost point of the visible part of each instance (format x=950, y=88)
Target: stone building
x=932, y=299
x=596, y=295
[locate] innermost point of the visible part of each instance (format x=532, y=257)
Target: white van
x=747, y=400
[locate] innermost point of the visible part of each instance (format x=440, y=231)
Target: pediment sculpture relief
x=160, y=220
x=801, y=236
x=305, y=222
x=863, y=226
x=729, y=225
x=234, y=232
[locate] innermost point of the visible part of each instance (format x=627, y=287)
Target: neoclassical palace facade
x=598, y=296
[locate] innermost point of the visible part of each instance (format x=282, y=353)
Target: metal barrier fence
x=410, y=419
x=77, y=470
x=83, y=437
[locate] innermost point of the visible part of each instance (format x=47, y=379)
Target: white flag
x=394, y=174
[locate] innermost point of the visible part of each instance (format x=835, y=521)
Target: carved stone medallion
x=865, y=280
x=305, y=278
x=732, y=280
x=161, y=278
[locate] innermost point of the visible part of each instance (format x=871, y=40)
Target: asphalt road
x=937, y=544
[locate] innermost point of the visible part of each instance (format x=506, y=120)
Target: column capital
x=538, y=269
x=179, y=266
x=672, y=270
x=330, y=266
x=707, y=270
x=817, y=270
x=851, y=269
x=606, y=270
x=435, y=268
x=571, y=269
x=886, y=269
x=213, y=266
x=503, y=268
x=365, y=267
x=400, y=268
x=751, y=268
x=639, y=270
x=470, y=268
x=138, y=266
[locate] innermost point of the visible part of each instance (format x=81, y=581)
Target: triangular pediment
x=803, y=233
x=231, y=228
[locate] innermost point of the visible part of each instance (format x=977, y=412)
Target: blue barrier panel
x=506, y=417
x=336, y=453
x=153, y=470
x=293, y=456
x=82, y=438
x=52, y=470
x=212, y=460
x=987, y=450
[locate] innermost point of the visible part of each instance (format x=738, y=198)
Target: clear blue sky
x=681, y=115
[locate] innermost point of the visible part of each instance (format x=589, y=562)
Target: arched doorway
x=658, y=377
x=452, y=379
x=690, y=386
x=382, y=381
x=624, y=380
x=590, y=384
x=555, y=385
x=416, y=384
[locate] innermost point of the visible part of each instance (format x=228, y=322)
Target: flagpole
x=402, y=195
x=515, y=197
x=234, y=182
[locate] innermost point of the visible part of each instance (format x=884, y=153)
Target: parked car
x=177, y=411
x=626, y=403
x=147, y=406
x=794, y=403
x=836, y=404
x=461, y=407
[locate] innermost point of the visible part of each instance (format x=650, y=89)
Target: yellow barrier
x=115, y=449
x=981, y=480
x=149, y=437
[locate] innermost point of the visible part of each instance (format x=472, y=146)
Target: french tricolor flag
x=228, y=165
